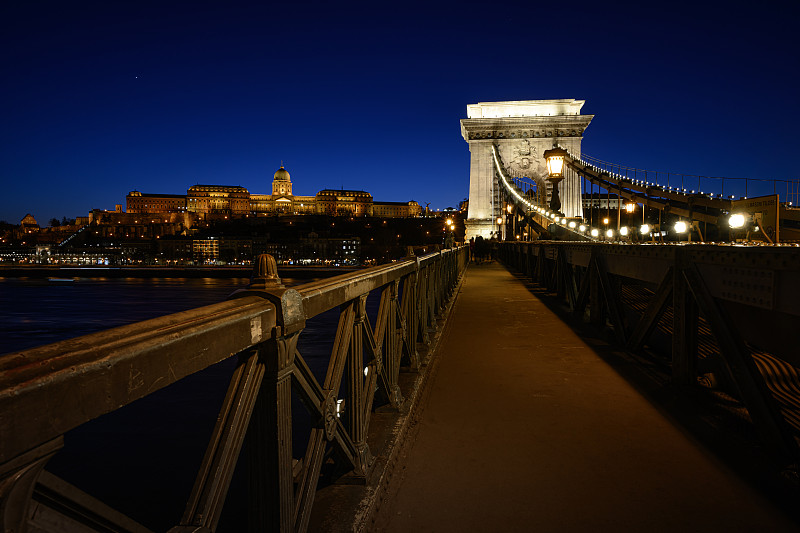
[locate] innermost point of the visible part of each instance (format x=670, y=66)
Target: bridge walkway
x=527, y=428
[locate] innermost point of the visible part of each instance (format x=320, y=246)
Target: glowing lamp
x=499, y=220
x=555, y=169
x=595, y=232
x=582, y=228
x=572, y=224
x=609, y=233
x=736, y=220
x=630, y=207
x=644, y=229
x=623, y=231
x=555, y=162
x=680, y=227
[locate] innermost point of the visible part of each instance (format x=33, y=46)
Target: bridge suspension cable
x=685, y=208
x=711, y=186
x=536, y=213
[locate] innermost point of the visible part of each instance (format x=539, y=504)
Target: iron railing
x=47, y=391
x=721, y=317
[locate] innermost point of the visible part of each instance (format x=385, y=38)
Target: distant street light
x=555, y=168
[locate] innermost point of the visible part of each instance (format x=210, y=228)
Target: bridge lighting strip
x=520, y=198
x=642, y=182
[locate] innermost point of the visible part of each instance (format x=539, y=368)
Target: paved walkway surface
x=526, y=428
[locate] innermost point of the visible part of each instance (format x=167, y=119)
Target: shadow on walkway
x=527, y=428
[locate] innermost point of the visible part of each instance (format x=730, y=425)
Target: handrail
x=46, y=391
x=746, y=297
x=38, y=399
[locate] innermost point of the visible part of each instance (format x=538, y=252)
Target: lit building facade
x=238, y=201
x=343, y=202
x=396, y=209
x=222, y=199
x=145, y=203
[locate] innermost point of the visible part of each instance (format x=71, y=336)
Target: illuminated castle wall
x=238, y=201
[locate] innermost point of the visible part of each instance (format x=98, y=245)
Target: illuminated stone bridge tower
x=522, y=131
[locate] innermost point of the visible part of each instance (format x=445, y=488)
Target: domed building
x=282, y=200
x=281, y=183
x=209, y=200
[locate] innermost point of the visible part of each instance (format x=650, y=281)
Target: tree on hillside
x=54, y=223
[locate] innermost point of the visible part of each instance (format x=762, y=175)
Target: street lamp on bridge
x=555, y=169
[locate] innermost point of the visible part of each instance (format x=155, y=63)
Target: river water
x=142, y=459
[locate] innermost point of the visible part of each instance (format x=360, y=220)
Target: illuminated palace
x=238, y=201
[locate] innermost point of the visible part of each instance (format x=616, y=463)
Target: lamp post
x=630, y=207
x=555, y=169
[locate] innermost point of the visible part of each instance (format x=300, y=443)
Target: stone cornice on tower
x=476, y=129
x=524, y=119
x=525, y=108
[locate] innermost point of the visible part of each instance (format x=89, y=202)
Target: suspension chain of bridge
x=665, y=193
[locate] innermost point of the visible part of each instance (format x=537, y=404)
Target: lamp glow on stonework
x=555, y=169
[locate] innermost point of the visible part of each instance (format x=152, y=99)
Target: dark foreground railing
x=47, y=391
x=726, y=317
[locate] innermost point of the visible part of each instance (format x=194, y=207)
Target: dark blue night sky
x=100, y=98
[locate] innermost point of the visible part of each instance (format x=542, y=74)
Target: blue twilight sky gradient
x=100, y=98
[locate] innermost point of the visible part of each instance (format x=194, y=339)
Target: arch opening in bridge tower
x=522, y=131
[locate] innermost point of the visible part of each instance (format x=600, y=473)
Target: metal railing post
x=684, y=325
x=17, y=480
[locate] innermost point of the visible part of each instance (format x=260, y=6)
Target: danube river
x=142, y=459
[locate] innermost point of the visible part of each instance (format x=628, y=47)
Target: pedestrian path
x=526, y=428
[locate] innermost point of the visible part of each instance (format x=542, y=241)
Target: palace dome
x=281, y=175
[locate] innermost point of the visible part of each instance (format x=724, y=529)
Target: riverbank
x=66, y=272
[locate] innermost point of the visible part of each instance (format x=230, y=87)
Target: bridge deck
x=527, y=428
